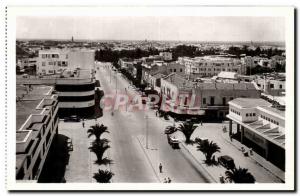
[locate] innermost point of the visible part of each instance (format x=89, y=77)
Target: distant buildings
x=260, y=127
x=271, y=84
x=167, y=56
x=209, y=66
x=272, y=62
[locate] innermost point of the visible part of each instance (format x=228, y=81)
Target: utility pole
x=110, y=75
x=146, y=117
x=116, y=84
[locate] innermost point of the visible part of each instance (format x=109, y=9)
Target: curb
x=146, y=154
x=210, y=177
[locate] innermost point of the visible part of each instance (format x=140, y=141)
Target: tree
x=208, y=148
x=187, y=128
x=103, y=176
x=99, y=147
x=97, y=130
x=170, y=129
x=240, y=175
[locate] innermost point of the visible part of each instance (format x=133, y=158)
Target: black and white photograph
x=151, y=98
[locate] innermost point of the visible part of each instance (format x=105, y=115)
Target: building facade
x=57, y=61
x=260, y=127
x=209, y=66
x=34, y=135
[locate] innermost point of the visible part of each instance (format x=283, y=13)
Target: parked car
x=226, y=161
x=73, y=118
x=174, y=142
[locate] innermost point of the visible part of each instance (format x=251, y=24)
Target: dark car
x=226, y=161
x=73, y=118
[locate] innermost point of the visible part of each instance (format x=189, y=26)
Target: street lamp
x=146, y=117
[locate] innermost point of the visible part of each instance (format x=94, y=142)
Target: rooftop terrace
x=28, y=100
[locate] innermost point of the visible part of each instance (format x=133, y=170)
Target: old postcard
x=150, y=98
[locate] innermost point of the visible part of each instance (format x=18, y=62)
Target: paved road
x=132, y=161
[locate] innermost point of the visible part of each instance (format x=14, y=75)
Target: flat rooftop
x=274, y=111
x=250, y=102
x=27, y=101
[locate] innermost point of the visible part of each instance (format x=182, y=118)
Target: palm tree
x=99, y=147
x=240, y=175
x=97, y=130
x=170, y=129
x=103, y=176
x=207, y=148
x=187, y=128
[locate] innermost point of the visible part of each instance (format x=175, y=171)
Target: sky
x=179, y=28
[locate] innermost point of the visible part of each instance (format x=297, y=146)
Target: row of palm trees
x=99, y=147
x=209, y=148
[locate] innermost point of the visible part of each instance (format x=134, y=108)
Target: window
x=50, y=63
x=204, y=100
x=280, y=86
x=212, y=100
x=254, y=114
x=271, y=85
x=50, y=71
x=246, y=114
x=43, y=56
x=170, y=70
x=43, y=63
x=174, y=70
x=224, y=100
x=180, y=70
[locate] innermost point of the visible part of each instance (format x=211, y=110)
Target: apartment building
x=209, y=66
x=75, y=90
x=208, y=99
x=271, y=85
x=57, y=61
x=214, y=97
x=37, y=123
x=260, y=127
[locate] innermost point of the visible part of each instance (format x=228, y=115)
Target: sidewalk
x=213, y=131
x=256, y=157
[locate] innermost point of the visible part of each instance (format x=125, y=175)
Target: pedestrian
x=201, y=122
x=169, y=180
x=83, y=123
x=160, y=168
x=165, y=180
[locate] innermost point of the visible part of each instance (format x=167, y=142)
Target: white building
x=260, y=127
x=55, y=61
x=167, y=56
x=209, y=66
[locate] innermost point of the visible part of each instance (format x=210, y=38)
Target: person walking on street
x=201, y=122
x=160, y=168
x=83, y=123
x=165, y=180
x=169, y=180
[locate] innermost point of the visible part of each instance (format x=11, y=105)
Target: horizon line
x=84, y=39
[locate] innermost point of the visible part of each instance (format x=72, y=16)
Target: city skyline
x=239, y=29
